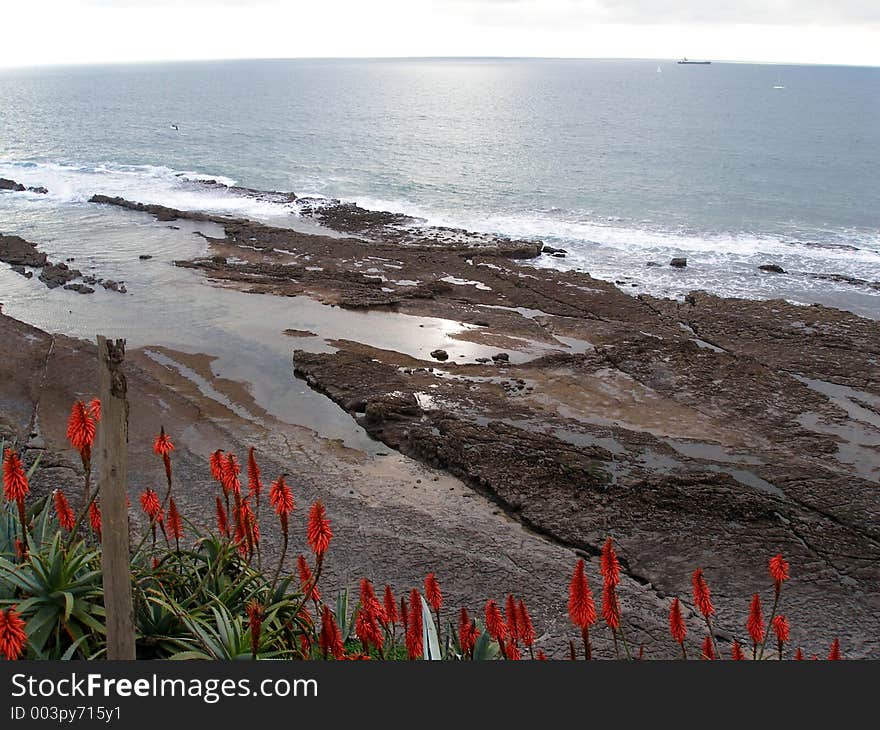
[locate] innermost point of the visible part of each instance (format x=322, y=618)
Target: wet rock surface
x=16, y=251
x=161, y=212
x=19, y=254
x=55, y=275
x=7, y=184
x=17, y=187
x=407, y=230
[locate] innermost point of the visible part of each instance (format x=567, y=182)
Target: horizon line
x=139, y=62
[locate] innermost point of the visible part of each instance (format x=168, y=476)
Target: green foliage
x=191, y=603
x=63, y=595
x=430, y=640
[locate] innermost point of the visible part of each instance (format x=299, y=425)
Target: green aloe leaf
x=430, y=640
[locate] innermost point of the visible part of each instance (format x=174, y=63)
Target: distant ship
x=694, y=63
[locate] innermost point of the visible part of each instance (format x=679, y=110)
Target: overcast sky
x=37, y=32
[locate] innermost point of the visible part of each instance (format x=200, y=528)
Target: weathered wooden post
x=113, y=442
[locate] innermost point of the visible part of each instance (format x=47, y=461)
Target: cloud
x=178, y=3
x=653, y=12
x=122, y=31
x=762, y=12
x=640, y=12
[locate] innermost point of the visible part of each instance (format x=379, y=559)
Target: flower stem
x=280, y=562
x=588, y=650
x=777, y=591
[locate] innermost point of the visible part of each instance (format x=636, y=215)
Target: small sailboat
x=659, y=70
x=778, y=84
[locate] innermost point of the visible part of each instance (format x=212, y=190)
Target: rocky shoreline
x=715, y=430
x=710, y=431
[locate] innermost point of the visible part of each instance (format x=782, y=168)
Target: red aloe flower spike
x=581, y=609
x=306, y=616
x=464, y=632
x=81, y=429
x=255, y=623
x=737, y=652
x=330, y=638
x=755, y=624
x=495, y=624
x=162, y=446
x=222, y=519
x=512, y=652
x=834, y=654
x=432, y=592
x=229, y=475
x=95, y=410
x=708, y=648
x=21, y=550
x=151, y=505
x=281, y=497
x=319, y=532
x=677, y=626
x=799, y=654
x=390, y=606
x=610, y=607
x=371, y=603
x=434, y=598
x=781, y=629
x=247, y=531
x=13, y=638
x=16, y=487
x=95, y=519
x=175, y=524
x=703, y=602
x=526, y=630
x=778, y=569
x=609, y=564
x=255, y=486
x=404, y=614
x=63, y=511
x=512, y=621
x=217, y=465
x=15, y=481
x=306, y=580
x=414, y=642
x=367, y=630
x=702, y=595
x=541, y=656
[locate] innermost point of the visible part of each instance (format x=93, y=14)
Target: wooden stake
x=113, y=446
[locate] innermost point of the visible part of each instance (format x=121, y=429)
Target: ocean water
x=618, y=162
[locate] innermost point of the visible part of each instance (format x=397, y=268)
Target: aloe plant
x=63, y=602
x=343, y=619
x=218, y=634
